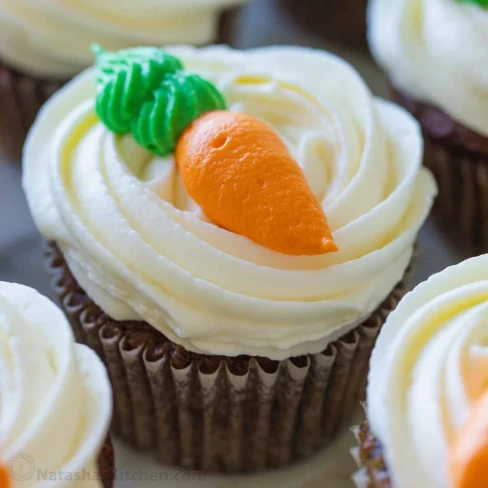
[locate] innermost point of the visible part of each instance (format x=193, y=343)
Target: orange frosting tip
x=241, y=174
x=4, y=477
x=469, y=453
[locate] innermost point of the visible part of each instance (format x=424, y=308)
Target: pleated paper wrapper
x=218, y=414
x=462, y=203
x=21, y=97
x=106, y=464
x=458, y=158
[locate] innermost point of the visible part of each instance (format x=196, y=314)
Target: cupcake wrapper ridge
x=462, y=203
x=21, y=98
x=106, y=464
x=458, y=158
x=219, y=414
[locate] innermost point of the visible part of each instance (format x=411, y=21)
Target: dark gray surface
x=20, y=244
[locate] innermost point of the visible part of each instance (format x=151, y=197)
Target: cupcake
x=427, y=405
x=228, y=230
x=44, y=44
x=55, y=399
x=340, y=21
x=435, y=54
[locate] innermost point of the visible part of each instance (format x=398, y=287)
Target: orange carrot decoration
x=239, y=171
x=235, y=167
x=4, y=477
x=469, y=454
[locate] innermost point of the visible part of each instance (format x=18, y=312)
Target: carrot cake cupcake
x=228, y=231
x=427, y=402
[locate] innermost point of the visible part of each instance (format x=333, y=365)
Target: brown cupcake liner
x=21, y=97
x=462, y=204
x=106, y=464
x=243, y=414
x=342, y=21
x=373, y=472
x=458, y=158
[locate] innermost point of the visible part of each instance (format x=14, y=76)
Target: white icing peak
x=436, y=51
x=55, y=398
x=52, y=37
x=141, y=250
x=428, y=370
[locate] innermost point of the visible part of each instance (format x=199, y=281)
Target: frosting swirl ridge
x=437, y=52
x=52, y=38
x=428, y=371
x=55, y=398
x=143, y=250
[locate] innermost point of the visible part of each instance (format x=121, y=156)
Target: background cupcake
x=44, y=44
x=55, y=398
x=341, y=21
x=427, y=403
x=436, y=54
x=208, y=325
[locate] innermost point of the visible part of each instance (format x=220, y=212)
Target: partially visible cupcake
x=427, y=401
x=435, y=54
x=55, y=399
x=44, y=44
x=230, y=230
x=339, y=21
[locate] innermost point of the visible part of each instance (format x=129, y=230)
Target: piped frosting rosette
x=55, y=398
x=52, y=38
x=144, y=250
x=429, y=375
x=437, y=52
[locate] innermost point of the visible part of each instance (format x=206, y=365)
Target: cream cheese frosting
x=55, y=398
x=429, y=368
x=437, y=52
x=52, y=38
x=143, y=250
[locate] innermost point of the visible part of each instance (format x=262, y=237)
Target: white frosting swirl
x=52, y=37
x=436, y=51
x=55, y=398
x=141, y=250
x=429, y=368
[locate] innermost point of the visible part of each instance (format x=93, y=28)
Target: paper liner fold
x=458, y=158
x=462, y=203
x=106, y=464
x=243, y=414
x=21, y=97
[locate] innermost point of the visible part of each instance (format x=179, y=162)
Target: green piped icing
x=481, y=3
x=176, y=103
x=146, y=92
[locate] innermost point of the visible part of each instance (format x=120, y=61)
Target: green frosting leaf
x=481, y=3
x=145, y=91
